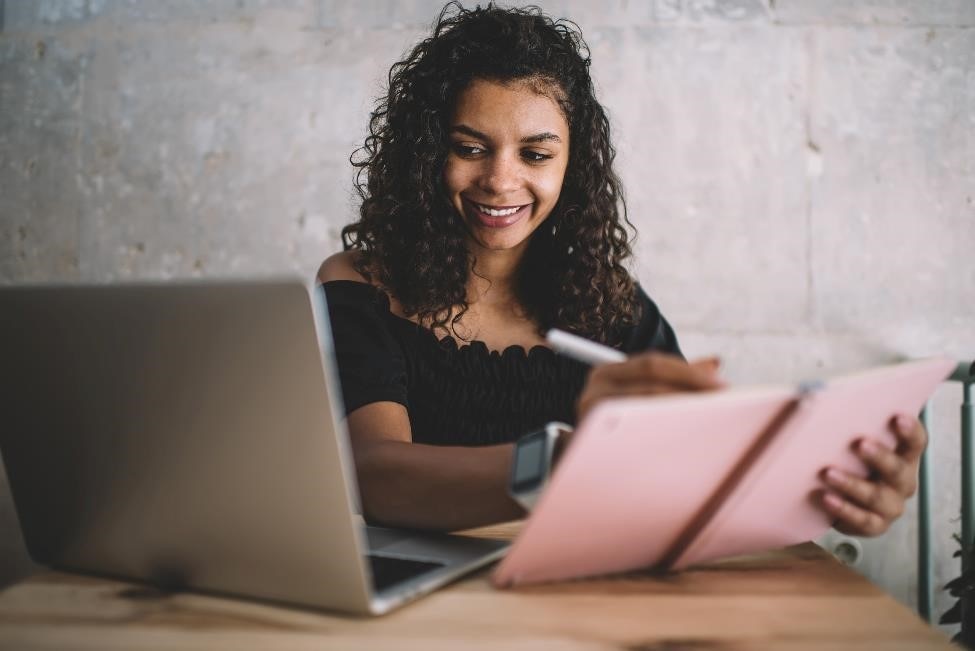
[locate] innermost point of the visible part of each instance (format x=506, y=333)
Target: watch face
x=529, y=467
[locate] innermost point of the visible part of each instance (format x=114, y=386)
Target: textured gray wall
x=802, y=172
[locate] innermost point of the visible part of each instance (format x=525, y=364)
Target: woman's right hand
x=649, y=373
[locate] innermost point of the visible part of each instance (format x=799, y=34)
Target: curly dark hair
x=411, y=241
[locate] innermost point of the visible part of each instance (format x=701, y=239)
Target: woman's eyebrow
x=545, y=136
x=467, y=131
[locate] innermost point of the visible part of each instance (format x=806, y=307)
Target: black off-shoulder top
x=460, y=394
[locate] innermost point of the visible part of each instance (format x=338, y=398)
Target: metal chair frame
x=965, y=374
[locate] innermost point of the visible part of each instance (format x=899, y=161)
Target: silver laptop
x=191, y=435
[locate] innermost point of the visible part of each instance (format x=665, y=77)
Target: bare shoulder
x=340, y=266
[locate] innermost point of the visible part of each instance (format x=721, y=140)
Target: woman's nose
x=499, y=175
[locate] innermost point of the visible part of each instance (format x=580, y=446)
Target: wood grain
x=795, y=599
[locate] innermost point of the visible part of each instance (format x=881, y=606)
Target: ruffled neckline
x=479, y=347
x=448, y=343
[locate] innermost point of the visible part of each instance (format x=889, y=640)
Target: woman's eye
x=467, y=150
x=535, y=156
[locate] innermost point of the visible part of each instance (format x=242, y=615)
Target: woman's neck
x=493, y=277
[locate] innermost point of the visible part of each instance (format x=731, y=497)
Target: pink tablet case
x=671, y=481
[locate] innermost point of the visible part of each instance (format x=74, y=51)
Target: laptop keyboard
x=390, y=570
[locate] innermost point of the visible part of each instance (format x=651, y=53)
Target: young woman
x=490, y=213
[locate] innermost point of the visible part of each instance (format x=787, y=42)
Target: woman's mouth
x=495, y=216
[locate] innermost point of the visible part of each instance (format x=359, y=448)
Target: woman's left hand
x=867, y=507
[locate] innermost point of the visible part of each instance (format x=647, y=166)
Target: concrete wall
x=802, y=172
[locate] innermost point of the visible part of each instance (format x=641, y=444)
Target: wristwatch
x=532, y=463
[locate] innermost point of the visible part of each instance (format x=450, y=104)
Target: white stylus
x=582, y=349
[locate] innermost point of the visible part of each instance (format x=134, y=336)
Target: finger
x=872, y=496
x=712, y=362
x=652, y=366
x=658, y=367
x=598, y=392
x=912, y=438
x=632, y=389
x=889, y=467
x=851, y=519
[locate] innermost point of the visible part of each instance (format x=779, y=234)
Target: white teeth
x=498, y=213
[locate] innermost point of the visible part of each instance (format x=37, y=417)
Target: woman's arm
x=408, y=484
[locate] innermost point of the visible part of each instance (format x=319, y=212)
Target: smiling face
x=509, y=148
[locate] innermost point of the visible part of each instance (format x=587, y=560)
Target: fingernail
x=834, y=476
x=869, y=448
x=905, y=423
x=832, y=501
x=710, y=373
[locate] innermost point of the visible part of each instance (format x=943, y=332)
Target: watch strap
x=527, y=496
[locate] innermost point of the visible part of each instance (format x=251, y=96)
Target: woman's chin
x=494, y=241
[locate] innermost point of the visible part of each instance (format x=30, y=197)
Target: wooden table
x=798, y=598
